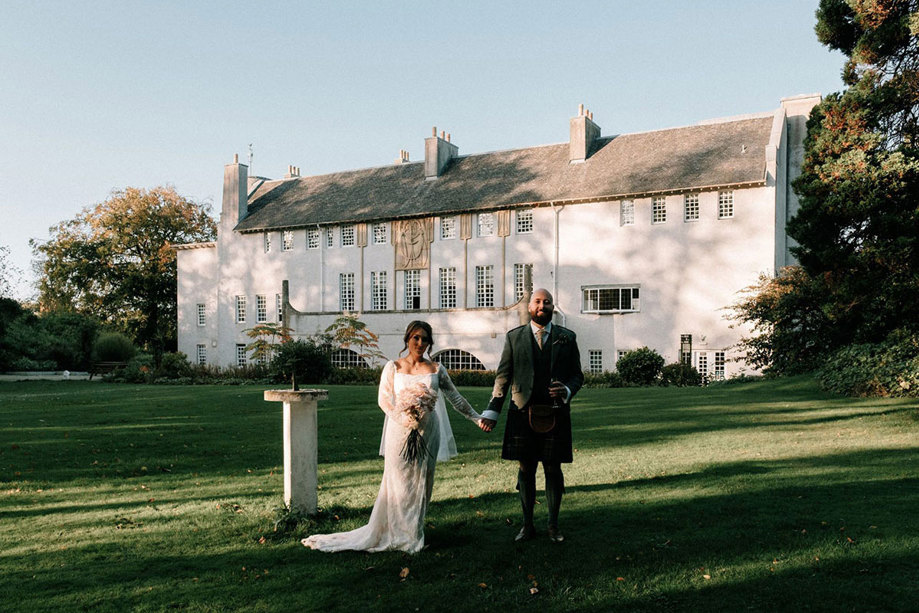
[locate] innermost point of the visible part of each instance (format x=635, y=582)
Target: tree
x=9, y=274
x=115, y=260
x=348, y=331
x=857, y=227
x=268, y=337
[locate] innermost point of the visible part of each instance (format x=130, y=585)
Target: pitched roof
x=679, y=159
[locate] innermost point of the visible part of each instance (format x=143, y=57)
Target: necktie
x=539, y=336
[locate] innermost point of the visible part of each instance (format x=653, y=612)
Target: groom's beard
x=542, y=317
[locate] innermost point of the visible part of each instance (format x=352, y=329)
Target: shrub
x=890, y=368
x=174, y=366
x=139, y=369
x=640, y=366
x=113, y=347
x=680, y=374
x=304, y=358
x=473, y=378
x=355, y=376
x=603, y=379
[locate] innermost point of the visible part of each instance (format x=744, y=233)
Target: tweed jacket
x=515, y=370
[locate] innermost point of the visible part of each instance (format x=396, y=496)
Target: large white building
x=643, y=239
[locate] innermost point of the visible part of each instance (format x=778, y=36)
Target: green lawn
x=765, y=496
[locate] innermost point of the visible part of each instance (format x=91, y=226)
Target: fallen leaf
x=534, y=590
x=483, y=585
x=706, y=577
x=848, y=538
x=404, y=572
x=620, y=578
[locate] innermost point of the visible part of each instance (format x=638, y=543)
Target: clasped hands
x=557, y=391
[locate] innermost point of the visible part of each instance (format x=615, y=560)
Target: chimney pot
x=434, y=131
x=580, y=110
x=236, y=158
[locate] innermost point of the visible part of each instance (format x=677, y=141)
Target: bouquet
x=415, y=402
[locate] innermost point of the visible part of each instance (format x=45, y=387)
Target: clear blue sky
x=97, y=96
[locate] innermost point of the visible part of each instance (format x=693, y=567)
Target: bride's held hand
x=485, y=424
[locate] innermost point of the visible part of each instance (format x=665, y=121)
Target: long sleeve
x=503, y=377
x=452, y=394
x=386, y=397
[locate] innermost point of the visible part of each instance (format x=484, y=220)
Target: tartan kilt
x=521, y=443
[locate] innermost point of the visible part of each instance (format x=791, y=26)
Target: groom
x=541, y=365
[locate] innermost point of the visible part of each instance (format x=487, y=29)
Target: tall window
x=380, y=234
x=595, y=360
x=447, y=228
x=486, y=224
x=347, y=235
x=524, y=222
x=267, y=241
x=412, y=298
x=346, y=291
x=691, y=207
x=312, y=238
x=725, y=205
x=703, y=365
x=485, y=286
x=457, y=359
x=520, y=275
x=330, y=237
x=241, y=355
x=201, y=354
x=202, y=315
x=261, y=309
x=448, y=288
x=287, y=240
x=718, y=371
x=610, y=299
x=627, y=213
x=658, y=210
x=240, y=309
x=378, y=300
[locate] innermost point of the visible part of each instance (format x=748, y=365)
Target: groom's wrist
x=489, y=414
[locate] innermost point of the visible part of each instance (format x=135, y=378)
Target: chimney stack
x=235, y=205
x=437, y=154
x=293, y=172
x=403, y=157
x=583, y=132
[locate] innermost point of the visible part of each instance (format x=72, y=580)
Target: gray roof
x=680, y=159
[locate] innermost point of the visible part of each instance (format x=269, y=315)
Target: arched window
x=346, y=358
x=457, y=359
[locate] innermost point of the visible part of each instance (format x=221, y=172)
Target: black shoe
x=555, y=535
x=526, y=533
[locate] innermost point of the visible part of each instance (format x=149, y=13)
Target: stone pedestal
x=300, y=446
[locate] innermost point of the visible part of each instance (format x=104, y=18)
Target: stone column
x=300, y=446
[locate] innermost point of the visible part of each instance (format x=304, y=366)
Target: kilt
x=521, y=443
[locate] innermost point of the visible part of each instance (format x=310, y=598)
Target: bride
x=397, y=519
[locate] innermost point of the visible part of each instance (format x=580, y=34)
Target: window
x=595, y=360
x=241, y=355
x=621, y=353
x=718, y=372
x=691, y=207
x=627, y=213
x=524, y=222
x=486, y=224
x=520, y=277
x=380, y=234
x=347, y=236
x=330, y=237
x=610, y=299
x=202, y=315
x=267, y=242
x=378, y=291
x=448, y=288
x=347, y=358
x=201, y=354
x=261, y=309
x=240, y=309
x=457, y=359
x=287, y=240
x=725, y=205
x=484, y=286
x=703, y=365
x=658, y=210
x=686, y=348
x=279, y=307
x=447, y=228
x=312, y=238
x=346, y=291
x=412, y=298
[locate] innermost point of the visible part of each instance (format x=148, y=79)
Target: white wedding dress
x=397, y=519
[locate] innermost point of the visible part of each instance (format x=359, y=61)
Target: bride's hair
x=416, y=325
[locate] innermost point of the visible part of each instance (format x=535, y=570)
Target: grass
x=766, y=496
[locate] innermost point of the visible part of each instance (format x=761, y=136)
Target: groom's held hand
x=487, y=424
